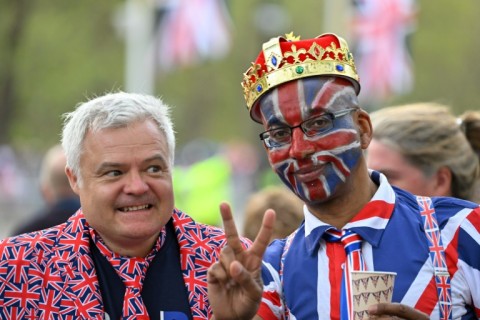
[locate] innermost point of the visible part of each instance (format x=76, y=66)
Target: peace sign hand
x=234, y=282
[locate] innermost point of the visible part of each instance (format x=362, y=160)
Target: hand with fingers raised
x=234, y=282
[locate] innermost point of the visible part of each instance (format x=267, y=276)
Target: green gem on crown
x=299, y=70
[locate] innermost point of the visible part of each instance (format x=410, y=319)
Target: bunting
x=191, y=31
x=380, y=31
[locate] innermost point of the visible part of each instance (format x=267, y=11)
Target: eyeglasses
x=281, y=136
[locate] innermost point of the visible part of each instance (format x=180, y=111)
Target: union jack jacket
x=50, y=274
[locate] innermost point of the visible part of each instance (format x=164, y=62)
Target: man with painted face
x=304, y=93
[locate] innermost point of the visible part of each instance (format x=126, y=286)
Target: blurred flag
x=13, y=180
x=380, y=32
x=190, y=31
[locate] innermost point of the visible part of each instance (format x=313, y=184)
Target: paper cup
x=370, y=288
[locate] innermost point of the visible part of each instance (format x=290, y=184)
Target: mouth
x=136, y=208
x=309, y=174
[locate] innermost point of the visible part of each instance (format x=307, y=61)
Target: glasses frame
x=264, y=136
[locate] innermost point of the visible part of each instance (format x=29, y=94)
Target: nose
x=300, y=147
x=135, y=184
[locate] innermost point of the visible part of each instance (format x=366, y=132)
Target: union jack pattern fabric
x=437, y=254
x=132, y=271
x=394, y=240
x=50, y=274
x=191, y=31
x=352, y=243
x=380, y=29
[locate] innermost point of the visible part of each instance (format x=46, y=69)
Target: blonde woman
x=425, y=149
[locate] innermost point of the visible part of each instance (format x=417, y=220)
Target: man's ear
x=72, y=179
x=365, y=128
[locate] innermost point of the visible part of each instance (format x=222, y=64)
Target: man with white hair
x=128, y=253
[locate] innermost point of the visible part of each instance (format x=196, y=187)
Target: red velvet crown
x=288, y=58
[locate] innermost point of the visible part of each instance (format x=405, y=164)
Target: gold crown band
x=307, y=69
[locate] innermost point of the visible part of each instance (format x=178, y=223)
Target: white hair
x=113, y=110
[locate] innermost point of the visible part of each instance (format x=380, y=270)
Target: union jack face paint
x=312, y=167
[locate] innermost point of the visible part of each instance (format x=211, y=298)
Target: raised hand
x=234, y=282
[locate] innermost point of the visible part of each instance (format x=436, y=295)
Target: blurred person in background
x=424, y=149
x=288, y=211
x=202, y=177
x=128, y=253
x=13, y=178
x=471, y=124
x=60, y=200
x=207, y=173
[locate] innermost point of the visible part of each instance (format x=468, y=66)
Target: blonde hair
x=470, y=124
x=288, y=208
x=429, y=136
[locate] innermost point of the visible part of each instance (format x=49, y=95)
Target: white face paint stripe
x=276, y=106
x=334, y=154
x=328, y=106
x=325, y=185
x=321, y=92
x=301, y=99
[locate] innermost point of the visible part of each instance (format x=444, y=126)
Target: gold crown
x=288, y=58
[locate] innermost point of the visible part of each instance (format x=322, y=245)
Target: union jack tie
x=352, y=243
x=132, y=271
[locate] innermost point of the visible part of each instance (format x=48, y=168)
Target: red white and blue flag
x=190, y=31
x=380, y=31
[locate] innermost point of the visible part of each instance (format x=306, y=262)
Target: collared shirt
x=301, y=274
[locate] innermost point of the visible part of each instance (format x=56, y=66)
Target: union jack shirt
x=302, y=273
x=50, y=274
